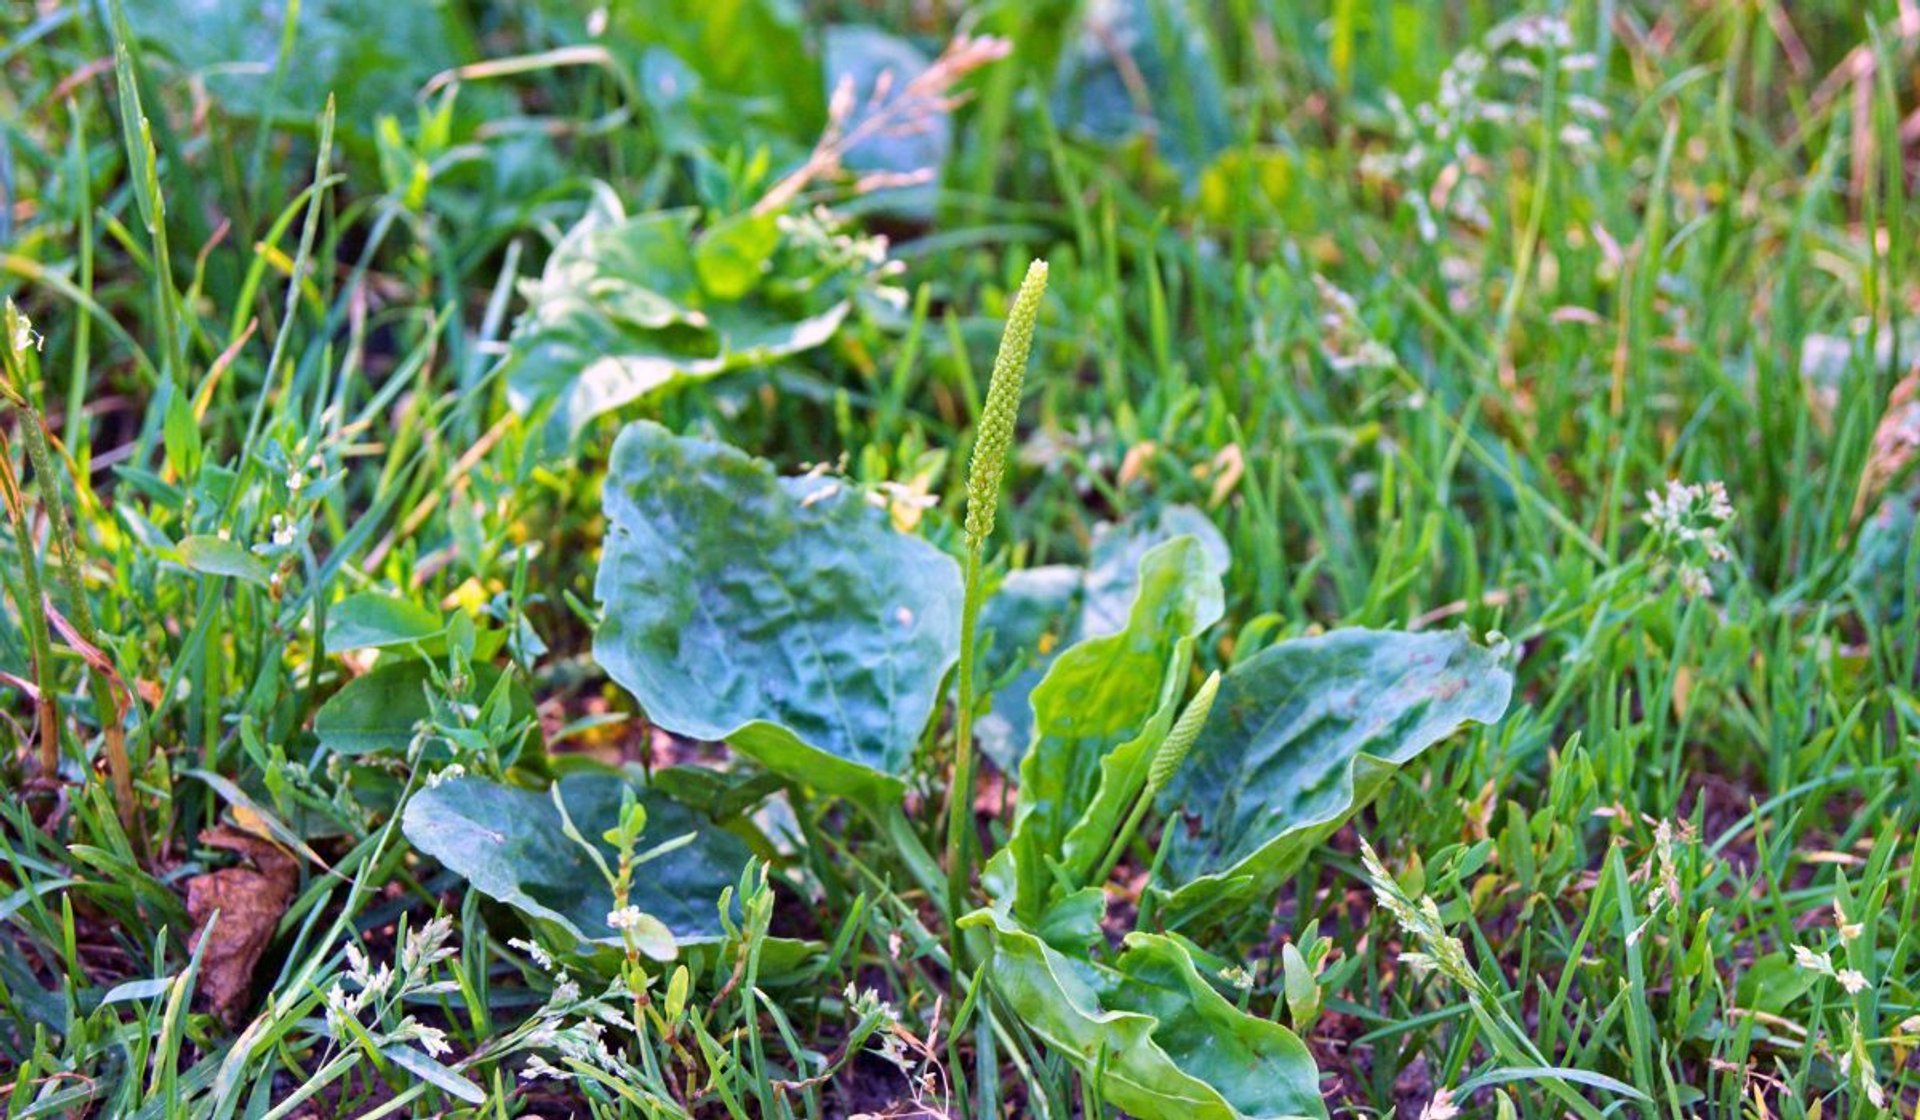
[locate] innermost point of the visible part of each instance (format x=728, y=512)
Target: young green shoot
x=1166, y=761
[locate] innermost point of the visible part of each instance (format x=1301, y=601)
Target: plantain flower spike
x=1173, y=750
x=1003, y=406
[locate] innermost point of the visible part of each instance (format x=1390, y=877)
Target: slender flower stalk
x=984, y=473
x=21, y=344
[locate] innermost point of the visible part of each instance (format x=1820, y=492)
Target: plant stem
x=991, y=444
x=960, y=797
x=27, y=596
x=33, y=433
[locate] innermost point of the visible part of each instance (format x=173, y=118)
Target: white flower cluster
x=25, y=338
x=829, y=239
x=866, y=1001
x=1849, y=978
x=1441, y=1107
x=1439, y=951
x=1496, y=83
x=1345, y=339
x=1687, y=518
x=569, y=1025
x=382, y=989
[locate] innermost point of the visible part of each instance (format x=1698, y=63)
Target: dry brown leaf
x=1894, y=443
x=250, y=901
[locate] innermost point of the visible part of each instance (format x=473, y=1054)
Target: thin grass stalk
x=33, y=434
x=39, y=644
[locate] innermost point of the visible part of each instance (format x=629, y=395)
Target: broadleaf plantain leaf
x=786, y=616
x=1111, y=695
x=1039, y=612
x=508, y=843
x=1163, y=43
x=1164, y=1044
x=1303, y=734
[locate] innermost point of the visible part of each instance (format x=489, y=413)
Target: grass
x=1414, y=385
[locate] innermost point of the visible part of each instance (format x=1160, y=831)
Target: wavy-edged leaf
x=1112, y=695
x=1302, y=735
x=620, y=312
x=380, y=711
x=1039, y=612
x=508, y=842
x=785, y=616
x=1164, y=1044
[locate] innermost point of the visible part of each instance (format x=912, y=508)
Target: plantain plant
x=792, y=618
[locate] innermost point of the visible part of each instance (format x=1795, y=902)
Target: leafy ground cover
x=1126, y=557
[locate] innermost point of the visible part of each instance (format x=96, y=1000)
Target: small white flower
x=1586, y=106
x=1806, y=958
x=539, y=955
x=538, y=1067
x=296, y=478
x=445, y=774
x=283, y=531
x=426, y=947
x=1237, y=976
x=895, y=1052
x=24, y=336
x=625, y=918
x=431, y=1039
x=1849, y=931
x=1852, y=980
x=1441, y=1107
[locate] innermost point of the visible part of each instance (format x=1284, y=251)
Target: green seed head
x=1173, y=750
x=1003, y=405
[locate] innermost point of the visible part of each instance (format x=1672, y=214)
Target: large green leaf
x=1038, y=612
x=509, y=844
x=1302, y=735
x=1162, y=1042
x=785, y=616
x=1108, y=695
x=372, y=55
x=628, y=307
x=1144, y=68
x=1884, y=557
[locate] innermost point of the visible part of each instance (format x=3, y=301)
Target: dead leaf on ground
x=250, y=901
